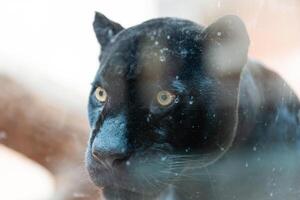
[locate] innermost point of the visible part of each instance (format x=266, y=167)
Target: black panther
x=178, y=111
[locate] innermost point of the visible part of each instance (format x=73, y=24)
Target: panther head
x=164, y=99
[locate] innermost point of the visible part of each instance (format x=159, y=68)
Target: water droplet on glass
x=163, y=158
x=110, y=33
x=176, y=100
x=168, y=37
x=148, y=118
x=156, y=43
x=177, y=77
x=191, y=101
x=113, y=39
x=197, y=37
x=246, y=165
x=219, y=33
x=184, y=52
x=127, y=162
x=162, y=58
x=163, y=50
x=254, y=148
x=271, y=194
x=258, y=159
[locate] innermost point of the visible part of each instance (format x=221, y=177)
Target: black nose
x=110, y=157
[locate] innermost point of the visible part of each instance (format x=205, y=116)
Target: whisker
x=211, y=184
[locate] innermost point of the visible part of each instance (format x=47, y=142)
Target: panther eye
x=165, y=98
x=101, y=94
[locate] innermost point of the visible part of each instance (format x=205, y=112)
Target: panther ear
x=226, y=43
x=105, y=29
x=224, y=54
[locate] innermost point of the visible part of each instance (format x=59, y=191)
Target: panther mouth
x=146, y=172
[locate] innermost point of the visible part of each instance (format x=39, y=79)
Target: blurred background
x=49, y=56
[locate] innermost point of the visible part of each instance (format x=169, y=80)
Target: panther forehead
x=158, y=27
x=156, y=47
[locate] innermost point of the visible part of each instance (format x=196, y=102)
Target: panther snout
x=110, y=145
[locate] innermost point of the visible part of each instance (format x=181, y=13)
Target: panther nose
x=110, y=145
x=110, y=157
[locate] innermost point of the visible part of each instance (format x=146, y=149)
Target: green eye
x=100, y=94
x=165, y=98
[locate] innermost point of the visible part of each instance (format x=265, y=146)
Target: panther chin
x=145, y=173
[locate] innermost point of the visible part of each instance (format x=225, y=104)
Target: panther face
x=164, y=99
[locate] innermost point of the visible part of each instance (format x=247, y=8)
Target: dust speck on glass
x=179, y=111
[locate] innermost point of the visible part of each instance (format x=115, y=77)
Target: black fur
x=227, y=109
